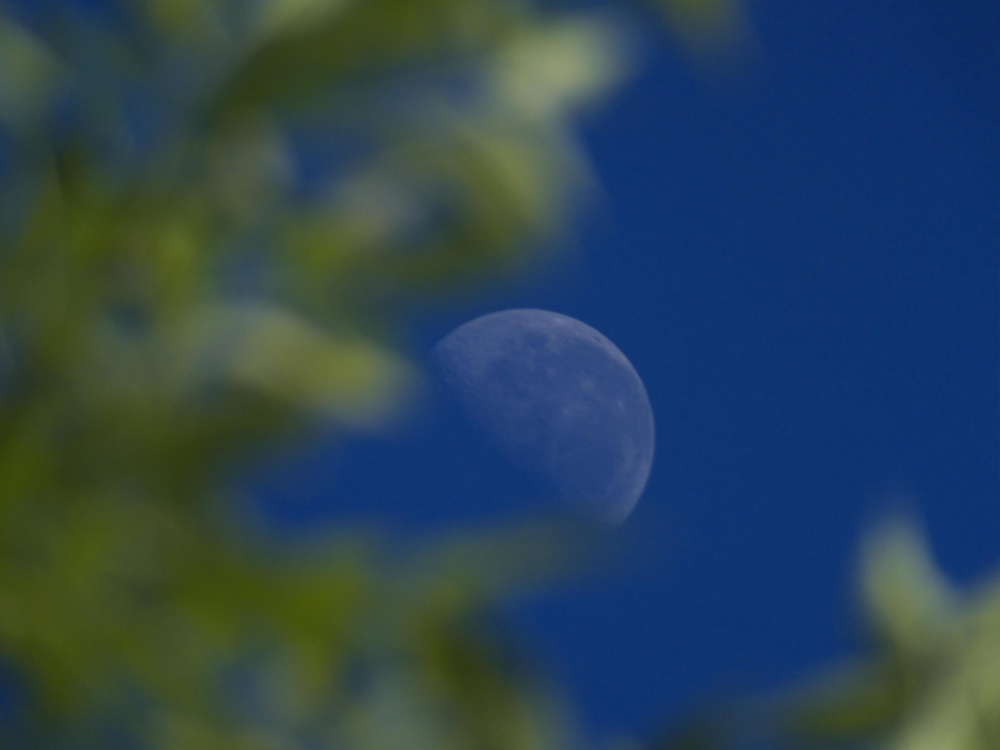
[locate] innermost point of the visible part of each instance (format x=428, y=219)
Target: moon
x=560, y=400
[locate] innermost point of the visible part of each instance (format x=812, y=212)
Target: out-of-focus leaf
x=353, y=382
x=490, y=566
x=251, y=170
x=931, y=678
x=469, y=664
x=709, y=27
x=348, y=42
x=278, y=17
x=906, y=597
x=849, y=702
x=551, y=70
x=178, y=17
x=946, y=718
x=508, y=186
x=29, y=74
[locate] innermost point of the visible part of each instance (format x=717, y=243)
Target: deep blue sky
x=803, y=263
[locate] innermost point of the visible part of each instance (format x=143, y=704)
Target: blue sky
x=802, y=261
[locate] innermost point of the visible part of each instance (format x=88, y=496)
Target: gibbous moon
x=560, y=400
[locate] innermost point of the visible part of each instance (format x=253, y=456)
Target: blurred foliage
x=709, y=28
x=929, y=680
x=214, y=216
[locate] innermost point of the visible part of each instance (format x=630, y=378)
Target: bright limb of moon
x=560, y=400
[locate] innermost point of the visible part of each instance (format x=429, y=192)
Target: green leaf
x=30, y=75
x=350, y=43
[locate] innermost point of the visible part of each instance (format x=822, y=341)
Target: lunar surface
x=560, y=400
